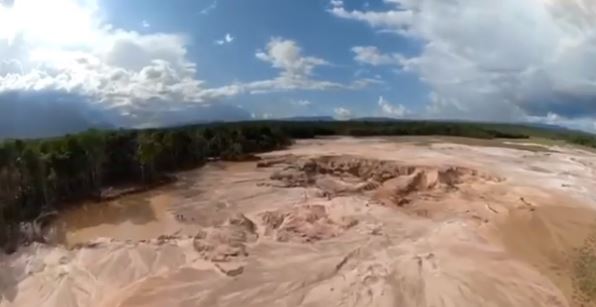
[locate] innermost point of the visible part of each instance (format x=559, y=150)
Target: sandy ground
x=334, y=222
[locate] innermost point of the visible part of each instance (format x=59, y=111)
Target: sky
x=144, y=63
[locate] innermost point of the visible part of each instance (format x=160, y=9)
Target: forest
x=44, y=175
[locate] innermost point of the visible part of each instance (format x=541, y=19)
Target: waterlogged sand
x=331, y=222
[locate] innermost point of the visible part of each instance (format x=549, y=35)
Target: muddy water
x=134, y=217
x=154, y=213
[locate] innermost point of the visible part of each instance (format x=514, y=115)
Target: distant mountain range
x=48, y=114
x=550, y=127
x=31, y=115
x=309, y=118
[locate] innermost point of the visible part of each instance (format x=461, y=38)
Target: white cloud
x=287, y=55
x=337, y=3
x=342, y=113
x=496, y=60
x=146, y=24
x=295, y=73
x=261, y=116
x=82, y=55
x=373, y=56
x=227, y=39
x=586, y=124
x=60, y=22
x=296, y=70
x=395, y=20
x=391, y=110
x=302, y=103
x=66, y=47
x=209, y=8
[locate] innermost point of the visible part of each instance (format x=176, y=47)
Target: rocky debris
x=305, y=171
x=272, y=220
x=230, y=269
x=425, y=181
x=244, y=223
x=344, y=175
x=25, y=233
x=163, y=239
x=292, y=177
x=365, y=169
x=304, y=224
x=332, y=186
x=226, y=242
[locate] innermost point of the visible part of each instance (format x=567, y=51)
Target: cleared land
x=334, y=222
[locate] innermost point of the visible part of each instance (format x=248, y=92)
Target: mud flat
x=334, y=222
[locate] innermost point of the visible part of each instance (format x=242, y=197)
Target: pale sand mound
x=441, y=269
x=362, y=229
x=45, y=276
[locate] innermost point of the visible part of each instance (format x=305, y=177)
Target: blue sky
x=252, y=24
x=149, y=62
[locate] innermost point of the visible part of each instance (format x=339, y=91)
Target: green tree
x=149, y=148
x=94, y=144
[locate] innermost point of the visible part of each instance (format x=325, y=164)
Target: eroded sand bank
x=336, y=222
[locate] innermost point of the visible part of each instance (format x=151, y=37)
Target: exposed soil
x=335, y=222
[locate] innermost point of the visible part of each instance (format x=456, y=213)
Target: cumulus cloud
x=296, y=71
x=389, y=109
x=227, y=39
x=394, y=20
x=342, y=113
x=497, y=60
x=65, y=47
x=373, y=56
x=286, y=55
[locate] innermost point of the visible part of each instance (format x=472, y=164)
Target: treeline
x=298, y=130
x=583, y=139
x=388, y=128
x=41, y=175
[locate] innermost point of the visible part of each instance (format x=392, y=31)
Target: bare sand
x=332, y=222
